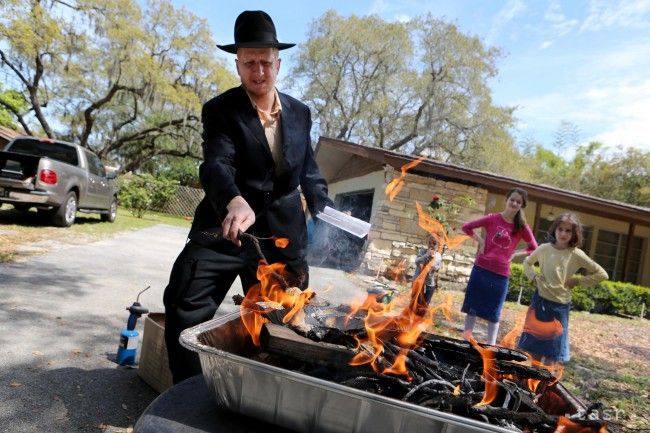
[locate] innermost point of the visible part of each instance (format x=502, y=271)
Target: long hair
x=520, y=218
x=576, y=229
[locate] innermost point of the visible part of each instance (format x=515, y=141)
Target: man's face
x=258, y=69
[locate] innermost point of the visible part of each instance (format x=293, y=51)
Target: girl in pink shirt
x=488, y=283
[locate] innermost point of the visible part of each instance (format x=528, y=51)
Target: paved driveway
x=61, y=314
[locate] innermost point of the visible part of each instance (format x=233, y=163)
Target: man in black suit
x=257, y=154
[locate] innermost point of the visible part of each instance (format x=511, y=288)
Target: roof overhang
x=340, y=160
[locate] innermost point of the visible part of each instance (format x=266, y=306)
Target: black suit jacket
x=238, y=161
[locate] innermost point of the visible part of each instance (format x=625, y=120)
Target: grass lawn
x=25, y=233
x=610, y=357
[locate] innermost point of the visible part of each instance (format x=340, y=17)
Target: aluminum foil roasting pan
x=300, y=402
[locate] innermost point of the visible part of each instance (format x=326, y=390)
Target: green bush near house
x=607, y=297
x=142, y=192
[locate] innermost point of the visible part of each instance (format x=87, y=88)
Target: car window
x=52, y=149
x=95, y=166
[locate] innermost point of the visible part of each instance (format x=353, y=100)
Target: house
x=6, y=135
x=358, y=175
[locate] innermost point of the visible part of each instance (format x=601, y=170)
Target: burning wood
x=436, y=372
x=369, y=346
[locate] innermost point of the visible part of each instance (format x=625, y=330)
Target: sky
x=586, y=62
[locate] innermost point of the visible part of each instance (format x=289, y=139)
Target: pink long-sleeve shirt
x=500, y=243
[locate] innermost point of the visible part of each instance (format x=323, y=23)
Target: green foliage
x=446, y=211
x=594, y=169
x=607, y=297
x=519, y=283
x=613, y=297
x=122, y=77
x=11, y=101
x=418, y=87
x=139, y=193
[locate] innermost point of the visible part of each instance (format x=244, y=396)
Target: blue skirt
x=485, y=294
x=555, y=349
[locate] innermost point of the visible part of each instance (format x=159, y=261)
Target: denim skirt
x=485, y=294
x=554, y=349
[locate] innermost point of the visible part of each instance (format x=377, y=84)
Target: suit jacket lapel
x=287, y=118
x=250, y=119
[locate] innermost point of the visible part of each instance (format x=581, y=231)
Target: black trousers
x=200, y=279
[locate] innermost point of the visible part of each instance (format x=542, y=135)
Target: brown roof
x=9, y=134
x=345, y=160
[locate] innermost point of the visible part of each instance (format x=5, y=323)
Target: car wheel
x=65, y=214
x=112, y=212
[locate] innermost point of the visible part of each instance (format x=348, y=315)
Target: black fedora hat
x=254, y=29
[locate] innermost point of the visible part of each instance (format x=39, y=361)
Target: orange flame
x=405, y=329
x=510, y=339
x=437, y=230
x=445, y=307
x=396, y=272
x=555, y=368
x=457, y=390
x=270, y=290
x=565, y=425
x=396, y=185
x=542, y=330
x=489, y=373
x=281, y=242
x=399, y=366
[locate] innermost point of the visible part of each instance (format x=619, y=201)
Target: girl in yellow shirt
x=546, y=329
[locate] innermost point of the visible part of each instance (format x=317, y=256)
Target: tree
x=123, y=80
x=10, y=101
x=623, y=175
x=418, y=87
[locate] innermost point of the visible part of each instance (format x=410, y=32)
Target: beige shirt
x=272, y=131
x=556, y=267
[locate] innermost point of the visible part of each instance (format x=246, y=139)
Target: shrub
x=139, y=193
x=607, y=297
x=519, y=283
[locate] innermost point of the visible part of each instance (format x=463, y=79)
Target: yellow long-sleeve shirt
x=556, y=267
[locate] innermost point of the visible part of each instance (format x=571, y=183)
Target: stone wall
x=396, y=236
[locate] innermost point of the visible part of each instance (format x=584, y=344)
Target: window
x=541, y=234
x=95, y=166
x=52, y=149
x=610, y=253
x=358, y=202
x=541, y=230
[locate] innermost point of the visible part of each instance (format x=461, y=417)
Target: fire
x=446, y=307
x=433, y=226
x=281, y=242
x=555, y=368
x=397, y=271
x=405, y=329
x=510, y=339
x=542, y=330
x=396, y=185
x=489, y=373
x=565, y=425
x=271, y=294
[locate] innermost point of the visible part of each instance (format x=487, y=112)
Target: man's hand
x=240, y=217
